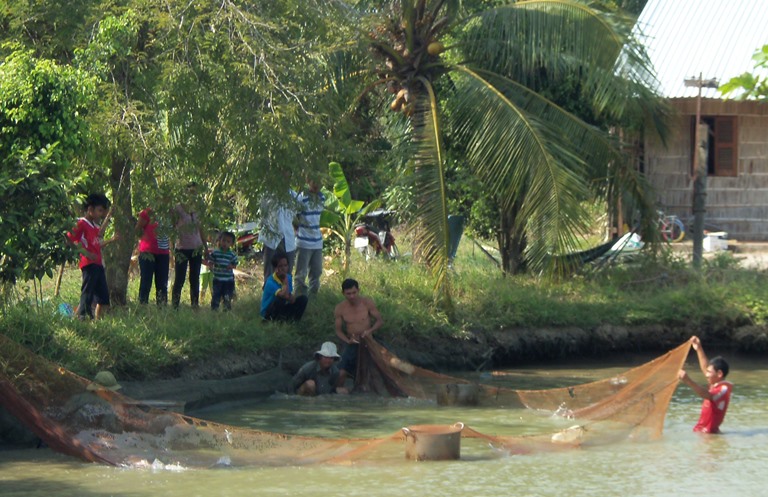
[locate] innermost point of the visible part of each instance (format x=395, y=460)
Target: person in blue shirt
x=222, y=262
x=278, y=302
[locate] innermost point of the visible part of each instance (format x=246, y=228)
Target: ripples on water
x=681, y=463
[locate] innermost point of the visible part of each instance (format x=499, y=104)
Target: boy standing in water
x=88, y=235
x=716, y=396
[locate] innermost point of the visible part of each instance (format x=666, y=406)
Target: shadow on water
x=58, y=475
x=42, y=486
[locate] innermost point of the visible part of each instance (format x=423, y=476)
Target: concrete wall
x=738, y=205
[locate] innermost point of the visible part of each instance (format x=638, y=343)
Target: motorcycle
x=374, y=238
x=246, y=236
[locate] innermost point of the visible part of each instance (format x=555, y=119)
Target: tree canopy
x=43, y=109
x=474, y=77
x=234, y=96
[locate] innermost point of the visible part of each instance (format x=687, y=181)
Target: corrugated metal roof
x=711, y=38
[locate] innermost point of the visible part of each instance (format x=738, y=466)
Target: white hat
x=328, y=349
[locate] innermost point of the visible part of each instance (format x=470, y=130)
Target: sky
x=711, y=38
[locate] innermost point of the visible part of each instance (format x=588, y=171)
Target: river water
x=681, y=463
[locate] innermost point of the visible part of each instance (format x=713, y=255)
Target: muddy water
x=681, y=463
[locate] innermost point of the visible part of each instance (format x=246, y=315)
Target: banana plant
x=342, y=213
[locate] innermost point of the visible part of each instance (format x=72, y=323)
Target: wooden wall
x=738, y=205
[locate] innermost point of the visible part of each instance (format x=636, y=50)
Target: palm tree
x=473, y=77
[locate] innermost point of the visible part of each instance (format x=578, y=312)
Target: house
x=700, y=40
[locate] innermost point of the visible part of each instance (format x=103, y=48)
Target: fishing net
x=106, y=427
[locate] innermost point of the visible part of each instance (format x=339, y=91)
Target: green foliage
x=234, y=95
x=485, y=88
x=42, y=129
x=143, y=342
x=342, y=213
x=750, y=85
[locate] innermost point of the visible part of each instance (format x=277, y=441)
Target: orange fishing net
x=106, y=427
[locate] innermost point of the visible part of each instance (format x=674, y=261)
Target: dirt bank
x=237, y=377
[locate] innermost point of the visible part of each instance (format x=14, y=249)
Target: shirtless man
x=356, y=318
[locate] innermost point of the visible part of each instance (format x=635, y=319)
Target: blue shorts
x=349, y=358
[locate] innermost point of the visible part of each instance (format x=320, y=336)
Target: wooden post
x=699, y=170
x=700, y=192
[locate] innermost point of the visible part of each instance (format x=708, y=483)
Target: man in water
x=356, y=318
x=716, y=396
x=92, y=409
x=319, y=376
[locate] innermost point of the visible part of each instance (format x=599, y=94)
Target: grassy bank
x=141, y=342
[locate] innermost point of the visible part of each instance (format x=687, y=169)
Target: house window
x=722, y=155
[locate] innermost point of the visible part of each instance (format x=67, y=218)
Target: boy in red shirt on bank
x=718, y=393
x=88, y=235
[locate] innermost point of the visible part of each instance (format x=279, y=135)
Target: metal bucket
x=433, y=442
x=458, y=394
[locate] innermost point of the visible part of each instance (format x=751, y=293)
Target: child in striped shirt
x=222, y=261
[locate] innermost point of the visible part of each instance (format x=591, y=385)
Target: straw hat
x=328, y=349
x=104, y=379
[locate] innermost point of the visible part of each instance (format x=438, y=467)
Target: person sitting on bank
x=278, y=301
x=319, y=376
x=356, y=317
x=718, y=393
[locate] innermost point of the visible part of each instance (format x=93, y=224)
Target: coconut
x=435, y=48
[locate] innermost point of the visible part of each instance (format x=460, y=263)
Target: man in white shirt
x=277, y=231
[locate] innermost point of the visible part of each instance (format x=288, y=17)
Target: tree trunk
x=512, y=243
x=347, y=254
x=118, y=254
x=59, y=277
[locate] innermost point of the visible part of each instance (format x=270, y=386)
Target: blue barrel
x=455, y=230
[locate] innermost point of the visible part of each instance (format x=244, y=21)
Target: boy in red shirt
x=716, y=396
x=88, y=235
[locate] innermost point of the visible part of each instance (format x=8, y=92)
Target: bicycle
x=671, y=228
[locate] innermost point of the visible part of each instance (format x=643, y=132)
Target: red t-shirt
x=86, y=233
x=149, y=241
x=713, y=411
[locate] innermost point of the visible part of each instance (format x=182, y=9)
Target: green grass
x=140, y=342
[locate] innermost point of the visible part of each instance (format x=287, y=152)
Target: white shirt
x=277, y=221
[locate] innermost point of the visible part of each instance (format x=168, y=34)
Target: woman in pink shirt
x=189, y=250
x=154, y=258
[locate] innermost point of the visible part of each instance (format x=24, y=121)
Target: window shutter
x=726, y=146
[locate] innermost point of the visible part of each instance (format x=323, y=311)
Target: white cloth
x=277, y=221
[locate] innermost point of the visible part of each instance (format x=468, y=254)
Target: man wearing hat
x=319, y=376
x=104, y=380
x=89, y=410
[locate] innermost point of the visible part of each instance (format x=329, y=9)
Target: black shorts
x=349, y=358
x=94, y=287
